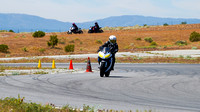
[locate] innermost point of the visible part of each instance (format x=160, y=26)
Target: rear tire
x=107, y=74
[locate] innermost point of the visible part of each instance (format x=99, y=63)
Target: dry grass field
x=23, y=44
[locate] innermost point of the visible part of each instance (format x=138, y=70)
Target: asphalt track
x=159, y=87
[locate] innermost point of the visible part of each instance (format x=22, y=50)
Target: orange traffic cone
x=89, y=68
x=71, y=65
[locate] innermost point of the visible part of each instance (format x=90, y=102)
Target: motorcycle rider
x=96, y=27
x=75, y=27
x=112, y=44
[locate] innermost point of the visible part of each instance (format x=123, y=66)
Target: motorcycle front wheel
x=89, y=31
x=102, y=69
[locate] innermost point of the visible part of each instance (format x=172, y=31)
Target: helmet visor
x=113, y=41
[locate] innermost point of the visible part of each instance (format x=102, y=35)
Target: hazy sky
x=88, y=10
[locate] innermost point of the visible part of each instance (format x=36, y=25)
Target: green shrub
x=194, y=37
x=77, y=39
x=72, y=41
x=126, y=47
x=11, y=104
x=184, y=22
x=53, y=41
x=138, y=39
x=165, y=24
x=69, y=48
x=181, y=56
x=98, y=41
x=147, y=47
x=40, y=72
x=16, y=37
x=42, y=50
x=153, y=44
x=4, y=48
x=15, y=73
x=23, y=36
x=131, y=44
x=181, y=42
x=18, y=105
x=2, y=68
x=37, y=34
x=188, y=57
x=24, y=49
x=81, y=43
x=194, y=48
x=3, y=31
x=62, y=40
x=11, y=31
x=148, y=39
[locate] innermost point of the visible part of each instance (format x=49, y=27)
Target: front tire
x=102, y=69
x=89, y=31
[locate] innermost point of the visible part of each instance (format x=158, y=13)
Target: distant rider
x=75, y=27
x=96, y=27
x=112, y=44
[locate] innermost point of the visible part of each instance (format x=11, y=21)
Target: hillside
x=30, y=23
x=164, y=36
x=132, y=20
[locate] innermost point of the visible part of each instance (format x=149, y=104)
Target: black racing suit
x=96, y=28
x=114, y=50
x=75, y=28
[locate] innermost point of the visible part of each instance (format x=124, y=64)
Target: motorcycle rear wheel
x=107, y=74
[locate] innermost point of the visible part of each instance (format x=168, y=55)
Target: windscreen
x=105, y=49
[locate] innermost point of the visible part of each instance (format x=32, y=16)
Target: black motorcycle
x=72, y=30
x=92, y=30
x=105, y=60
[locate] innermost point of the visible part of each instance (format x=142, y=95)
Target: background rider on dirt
x=96, y=27
x=75, y=27
x=112, y=44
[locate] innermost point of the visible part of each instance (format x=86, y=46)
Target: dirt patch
x=23, y=44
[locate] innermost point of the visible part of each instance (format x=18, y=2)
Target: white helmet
x=112, y=39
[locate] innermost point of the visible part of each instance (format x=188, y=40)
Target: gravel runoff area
x=168, y=53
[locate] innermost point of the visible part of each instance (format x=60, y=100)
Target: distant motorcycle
x=72, y=30
x=92, y=30
x=105, y=60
